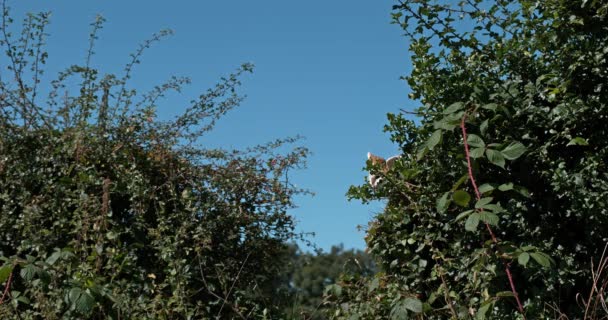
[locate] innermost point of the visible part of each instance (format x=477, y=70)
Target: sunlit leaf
x=523, y=258
x=475, y=141
x=472, y=222
x=514, y=150
x=495, y=157
x=486, y=187
x=477, y=152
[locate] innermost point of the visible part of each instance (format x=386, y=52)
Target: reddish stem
x=478, y=195
x=7, y=287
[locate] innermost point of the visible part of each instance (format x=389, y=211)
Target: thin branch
x=234, y=282
x=200, y=267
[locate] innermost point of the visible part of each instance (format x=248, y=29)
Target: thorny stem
x=478, y=196
x=7, y=288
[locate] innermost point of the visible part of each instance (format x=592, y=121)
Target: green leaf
x=506, y=186
x=486, y=187
x=477, y=152
x=461, y=198
x=483, y=128
x=475, y=141
x=541, y=259
x=434, y=140
x=489, y=218
x=490, y=106
x=399, y=312
x=463, y=214
x=54, y=257
x=333, y=289
x=28, y=272
x=443, y=202
x=493, y=207
x=578, y=141
x=514, y=150
x=5, y=272
x=421, y=152
x=523, y=258
x=413, y=304
x=481, y=312
x=460, y=181
x=375, y=284
x=483, y=201
x=23, y=300
x=85, y=303
x=495, y=157
x=453, y=108
x=472, y=222
x=445, y=124
x=523, y=191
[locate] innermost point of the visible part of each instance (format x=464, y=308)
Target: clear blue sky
x=325, y=69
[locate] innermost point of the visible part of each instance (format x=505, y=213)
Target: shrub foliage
x=107, y=212
x=517, y=210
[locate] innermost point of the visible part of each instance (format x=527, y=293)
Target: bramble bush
x=497, y=208
x=107, y=212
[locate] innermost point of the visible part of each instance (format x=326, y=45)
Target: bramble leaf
x=514, y=150
x=434, y=139
x=475, y=141
x=477, y=152
x=495, y=157
x=472, y=222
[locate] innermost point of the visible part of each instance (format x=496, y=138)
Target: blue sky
x=325, y=69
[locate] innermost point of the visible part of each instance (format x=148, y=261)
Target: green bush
x=526, y=81
x=107, y=212
x=311, y=275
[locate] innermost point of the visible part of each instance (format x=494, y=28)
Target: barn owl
x=386, y=165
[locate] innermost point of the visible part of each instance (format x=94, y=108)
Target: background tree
x=311, y=274
x=107, y=212
x=497, y=208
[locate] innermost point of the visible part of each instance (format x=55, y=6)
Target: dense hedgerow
x=527, y=82
x=107, y=212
